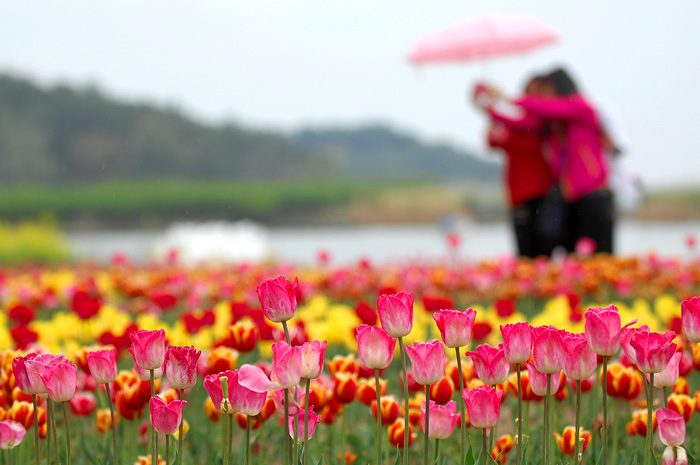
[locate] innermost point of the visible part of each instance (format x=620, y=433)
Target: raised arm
x=561, y=108
x=524, y=122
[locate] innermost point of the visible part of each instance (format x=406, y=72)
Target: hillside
x=64, y=136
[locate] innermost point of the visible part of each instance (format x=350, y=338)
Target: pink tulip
x=240, y=398
x=517, y=342
x=627, y=334
x=36, y=367
x=690, y=312
x=428, y=361
x=102, y=365
x=538, y=381
x=671, y=427
x=149, y=348
x=396, y=313
x=145, y=375
x=375, y=347
x=278, y=298
x=455, y=326
x=28, y=380
x=548, y=350
x=313, y=421
x=653, y=350
x=603, y=329
x=312, y=355
x=580, y=361
x=181, y=366
x=483, y=405
x=83, y=403
x=442, y=419
x=166, y=418
x=674, y=456
x=11, y=434
x=668, y=377
x=286, y=370
x=60, y=381
x=490, y=364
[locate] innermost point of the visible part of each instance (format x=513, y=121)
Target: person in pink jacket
x=574, y=149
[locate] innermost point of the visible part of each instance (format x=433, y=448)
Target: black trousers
x=591, y=216
x=525, y=225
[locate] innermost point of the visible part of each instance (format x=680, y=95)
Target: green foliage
x=180, y=199
x=64, y=135
x=32, y=241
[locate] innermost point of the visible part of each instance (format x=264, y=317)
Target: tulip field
x=508, y=361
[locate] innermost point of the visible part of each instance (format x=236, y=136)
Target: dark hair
x=562, y=82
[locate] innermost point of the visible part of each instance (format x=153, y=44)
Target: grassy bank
x=131, y=202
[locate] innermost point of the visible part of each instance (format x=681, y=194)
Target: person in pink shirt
x=574, y=149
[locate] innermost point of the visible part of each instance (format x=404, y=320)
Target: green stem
x=49, y=433
x=230, y=435
x=605, y=411
x=545, y=443
x=378, y=436
x=484, y=446
x=613, y=458
x=114, y=426
x=154, y=453
x=225, y=441
x=463, y=427
x=343, y=430
x=426, y=442
x=577, y=446
x=437, y=451
x=306, y=421
x=247, y=439
x=65, y=422
x=295, y=441
x=180, y=436
x=650, y=422
x=37, y=452
x=167, y=449
x=53, y=430
x=405, y=401
x=519, y=444
x=286, y=333
x=285, y=426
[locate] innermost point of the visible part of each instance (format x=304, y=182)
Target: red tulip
x=149, y=348
x=690, y=312
x=517, y=342
x=166, y=418
x=396, y=433
x=390, y=410
x=375, y=346
x=244, y=336
x=428, y=361
x=181, y=366
x=102, y=365
x=455, y=326
x=396, y=313
x=442, y=419
x=483, y=406
x=278, y=298
x=490, y=364
x=603, y=329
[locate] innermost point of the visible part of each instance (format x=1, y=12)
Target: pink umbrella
x=482, y=36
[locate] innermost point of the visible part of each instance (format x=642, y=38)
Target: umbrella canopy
x=482, y=36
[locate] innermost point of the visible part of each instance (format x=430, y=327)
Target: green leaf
x=479, y=460
x=634, y=458
x=320, y=460
x=600, y=458
x=398, y=456
x=653, y=459
x=469, y=457
x=300, y=454
x=691, y=459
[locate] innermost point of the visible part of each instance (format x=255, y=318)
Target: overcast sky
x=284, y=64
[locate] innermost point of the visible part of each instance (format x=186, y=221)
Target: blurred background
x=244, y=130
